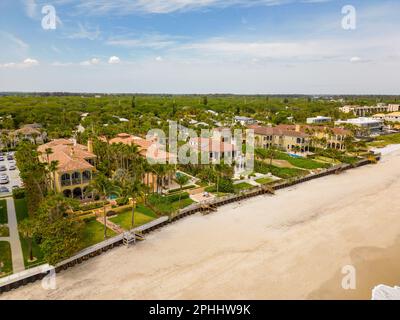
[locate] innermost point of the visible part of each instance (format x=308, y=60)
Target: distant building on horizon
x=244, y=121
x=363, y=111
x=319, y=120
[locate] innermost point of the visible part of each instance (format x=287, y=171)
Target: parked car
x=1, y=158
x=4, y=189
x=4, y=180
x=3, y=168
x=10, y=158
x=12, y=167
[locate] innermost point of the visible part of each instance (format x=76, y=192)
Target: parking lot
x=14, y=179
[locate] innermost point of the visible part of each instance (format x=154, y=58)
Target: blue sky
x=200, y=46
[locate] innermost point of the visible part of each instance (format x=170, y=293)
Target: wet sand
x=289, y=246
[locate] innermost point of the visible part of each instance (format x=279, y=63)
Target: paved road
x=16, y=250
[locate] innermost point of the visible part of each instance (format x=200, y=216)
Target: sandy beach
x=289, y=246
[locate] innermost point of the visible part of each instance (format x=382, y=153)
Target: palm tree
x=5, y=139
x=48, y=152
x=181, y=179
x=26, y=228
x=135, y=189
x=104, y=188
x=222, y=170
x=272, y=153
x=158, y=171
x=52, y=168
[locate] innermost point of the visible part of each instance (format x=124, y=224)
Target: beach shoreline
x=289, y=246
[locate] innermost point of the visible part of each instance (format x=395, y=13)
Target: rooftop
x=211, y=145
x=70, y=155
x=147, y=148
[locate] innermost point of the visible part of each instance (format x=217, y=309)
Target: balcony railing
x=76, y=181
x=65, y=183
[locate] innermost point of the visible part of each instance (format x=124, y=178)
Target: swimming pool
x=295, y=156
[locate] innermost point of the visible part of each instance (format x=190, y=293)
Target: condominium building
x=75, y=169
x=363, y=111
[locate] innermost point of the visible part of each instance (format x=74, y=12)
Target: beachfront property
x=75, y=169
x=391, y=117
x=367, y=126
x=292, y=138
x=319, y=120
x=363, y=111
x=221, y=146
x=285, y=137
x=151, y=150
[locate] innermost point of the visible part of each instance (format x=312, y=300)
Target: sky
x=200, y=46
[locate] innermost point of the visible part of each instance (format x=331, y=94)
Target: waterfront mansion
x=76, y=165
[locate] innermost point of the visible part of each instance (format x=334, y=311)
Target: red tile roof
x=70, y=156
x=211, y=145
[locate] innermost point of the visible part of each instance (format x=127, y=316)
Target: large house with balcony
x=221, y=146
x=282, y=137
x=152, y=151
x=300, y=137
x=76, y=166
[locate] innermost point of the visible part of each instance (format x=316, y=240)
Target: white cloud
x=355, y=59
x=114, y=60
x=30, y=62
x=85, y=32
x=159, y=59
x=151, y=41
x=61, y=64
x=27, y=63
x=90, y=62
x=14, y=40
x=101, y=7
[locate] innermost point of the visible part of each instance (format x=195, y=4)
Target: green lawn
x=335, y=155
x=170, y=204
x=21, y=209
x=5, y=257
x=37, y=254
x=93, y=232
x=303, y=163
x=326, y=159
x=284, y=173
x=384, y=141
x=143, y=215
x=242, y=186
x=265, y=180
x=3, y=212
